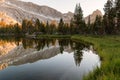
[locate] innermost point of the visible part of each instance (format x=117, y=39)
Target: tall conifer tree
x=78, y=18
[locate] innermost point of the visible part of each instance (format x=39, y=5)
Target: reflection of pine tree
x=44, y=42
x=63, y=43
x=47, y=42
x=78, y=58
x=78, y=53
x=17, y=40
x=41, y=44
x=61, y=49
x=27, y=43
x=53, y=42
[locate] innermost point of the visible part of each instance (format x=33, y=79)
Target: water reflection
x=58, y=59
x=3, y=66
x=5, y=47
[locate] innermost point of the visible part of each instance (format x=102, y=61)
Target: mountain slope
x=6, y=20
x=20, y=10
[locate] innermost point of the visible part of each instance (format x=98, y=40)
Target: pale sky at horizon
x=88, y=6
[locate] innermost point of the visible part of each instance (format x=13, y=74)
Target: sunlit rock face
x=6, y=20
x=92, y=16
x=6, y=47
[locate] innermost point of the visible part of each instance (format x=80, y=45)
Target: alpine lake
x=46, y=59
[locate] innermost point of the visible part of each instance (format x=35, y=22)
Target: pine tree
x=117, y=8
x=72, y=27
x=47, y=30
x=17, y=30
x=30, y=27
x=37, y=25
x=61, y=26
x=40, y=26
x=98, y=25
x=89, y=22
x=24, y=26
x=89, y=25
x=52, y=29
x=109, y=17
x=78, y=18
x=66, y=29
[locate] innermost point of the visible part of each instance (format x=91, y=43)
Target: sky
x=88, y=6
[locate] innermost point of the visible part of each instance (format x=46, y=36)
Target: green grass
x=108, y=48
x=53, y=36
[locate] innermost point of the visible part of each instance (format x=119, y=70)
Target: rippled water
x=46, y=59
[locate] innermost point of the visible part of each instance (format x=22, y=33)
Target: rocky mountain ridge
x=17, y=10
x=20, y=10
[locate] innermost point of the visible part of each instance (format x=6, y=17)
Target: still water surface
x=46, y=59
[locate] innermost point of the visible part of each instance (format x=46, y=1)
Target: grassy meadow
x=108, y=48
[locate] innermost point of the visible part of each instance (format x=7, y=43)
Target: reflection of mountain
x=19, y=55
x=47, y=63
x=33, y=50
x=3, y=66
x=5, y=47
